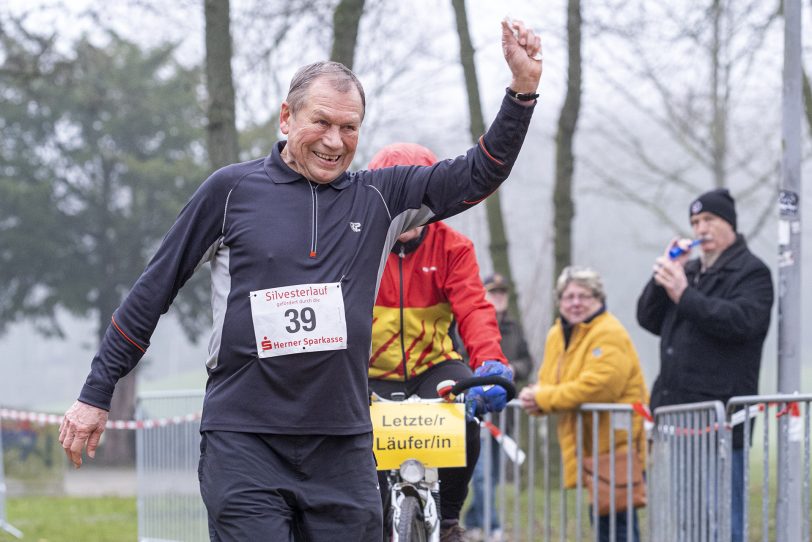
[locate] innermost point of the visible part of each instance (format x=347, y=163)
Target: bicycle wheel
x=411, y=527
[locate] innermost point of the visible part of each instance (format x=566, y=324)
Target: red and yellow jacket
x=420, y=293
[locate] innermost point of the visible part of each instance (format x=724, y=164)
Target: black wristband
x=521, y=97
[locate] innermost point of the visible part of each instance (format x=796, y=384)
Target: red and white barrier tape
x=517, y=455
x=509, y=445
x=643, y=410
x=740, y=416
x=54, y=419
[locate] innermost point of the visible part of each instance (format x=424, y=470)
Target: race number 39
x=301, y=319
x=297, y=319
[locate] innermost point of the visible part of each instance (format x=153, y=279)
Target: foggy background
x=408, y=60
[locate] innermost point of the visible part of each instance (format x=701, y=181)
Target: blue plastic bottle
x=677, y=251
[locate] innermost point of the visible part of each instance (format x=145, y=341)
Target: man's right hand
x=82, y=427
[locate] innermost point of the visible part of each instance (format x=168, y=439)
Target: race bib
x=301, y=318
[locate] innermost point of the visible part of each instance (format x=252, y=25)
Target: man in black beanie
x=712, y=314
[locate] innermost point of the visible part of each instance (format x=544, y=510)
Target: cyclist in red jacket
x=431, y=282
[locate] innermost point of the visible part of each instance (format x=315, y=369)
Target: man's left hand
x=482, y=399
x=522, y=50
x=671, y=276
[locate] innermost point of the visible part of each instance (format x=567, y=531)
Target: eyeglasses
x=569, y=298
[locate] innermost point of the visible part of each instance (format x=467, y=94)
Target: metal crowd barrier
x=4, y=524
x=690, y=473
x=563, y=514
x=620, y=418
x=170, y=507
x=169, y=503
x=785, y=431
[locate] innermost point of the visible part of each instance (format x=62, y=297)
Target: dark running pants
x=283, y=488
x=453, y=482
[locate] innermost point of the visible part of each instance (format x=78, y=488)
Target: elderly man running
x=296, y=245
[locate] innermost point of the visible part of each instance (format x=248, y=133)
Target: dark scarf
x=568, y=328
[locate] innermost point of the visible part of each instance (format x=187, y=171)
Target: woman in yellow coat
x=588, y=358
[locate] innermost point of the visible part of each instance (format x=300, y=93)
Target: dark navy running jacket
x=262, y=225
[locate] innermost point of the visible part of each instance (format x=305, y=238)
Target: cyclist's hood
x=403, y=154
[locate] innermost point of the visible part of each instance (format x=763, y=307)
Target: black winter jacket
x=711, y=342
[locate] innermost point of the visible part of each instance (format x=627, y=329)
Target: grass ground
x=71, y=519
x=114, y=519
x=548, y=527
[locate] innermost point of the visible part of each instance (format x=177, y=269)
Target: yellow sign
x=432, y=433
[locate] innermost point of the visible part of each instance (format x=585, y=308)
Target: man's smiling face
x=323, y=134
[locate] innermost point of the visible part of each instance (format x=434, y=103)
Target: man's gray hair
x=341, y=77
x=584, y=277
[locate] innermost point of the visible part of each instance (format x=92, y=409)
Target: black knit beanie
x=718, y=202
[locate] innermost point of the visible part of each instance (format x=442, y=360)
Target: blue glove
x=482, y=399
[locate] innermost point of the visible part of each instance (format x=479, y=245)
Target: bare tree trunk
x=719, y=81
x=496, y=225
x=118, y=446
x=563, y=205
x=222, y=128
x=697, y=115
x=346, y=19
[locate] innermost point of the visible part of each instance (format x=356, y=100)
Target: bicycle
x=413, y=438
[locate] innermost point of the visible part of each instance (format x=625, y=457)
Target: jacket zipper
x=563, y=355
x=314, y=221
x=402, y=255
